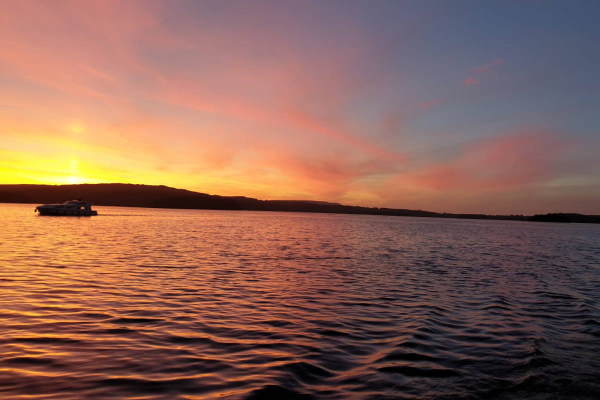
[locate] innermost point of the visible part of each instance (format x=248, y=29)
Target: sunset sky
x=460, y=106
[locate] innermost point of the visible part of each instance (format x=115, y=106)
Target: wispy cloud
x=506, y=161
x=476, y=72
x=510, y=162
x=215, y=98
x=471, y=81
x=487, y=67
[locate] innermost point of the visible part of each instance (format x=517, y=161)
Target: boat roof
x=68, y=203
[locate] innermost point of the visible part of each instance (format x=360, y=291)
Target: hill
x=130, y=195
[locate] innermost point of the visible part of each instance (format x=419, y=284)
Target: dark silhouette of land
x=128, y=195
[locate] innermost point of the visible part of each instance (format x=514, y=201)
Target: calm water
x=178, y=304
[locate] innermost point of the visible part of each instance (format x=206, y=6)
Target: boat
x=76, y=208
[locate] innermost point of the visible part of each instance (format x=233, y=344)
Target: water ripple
x=184, y=304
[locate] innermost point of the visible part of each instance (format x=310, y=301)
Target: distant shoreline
x=149, y=196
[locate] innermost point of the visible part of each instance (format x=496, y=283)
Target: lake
x=195, y=304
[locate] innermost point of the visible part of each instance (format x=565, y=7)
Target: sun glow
x=346, y=108
x=74, y=180
x=74, y=177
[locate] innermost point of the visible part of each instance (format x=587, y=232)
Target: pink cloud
x=480, y=70
x=428, y=105
x=257, y=101
x=269, y=110
x=500, y=163
x=331, y=175
x=235, y=84
x=471, y=81
x=515, y=171
x=487, y=67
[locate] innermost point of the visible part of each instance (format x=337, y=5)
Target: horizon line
x=292, y=200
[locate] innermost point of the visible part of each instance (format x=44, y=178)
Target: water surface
x=192, y=304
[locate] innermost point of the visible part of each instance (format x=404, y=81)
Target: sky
x=449, y=106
